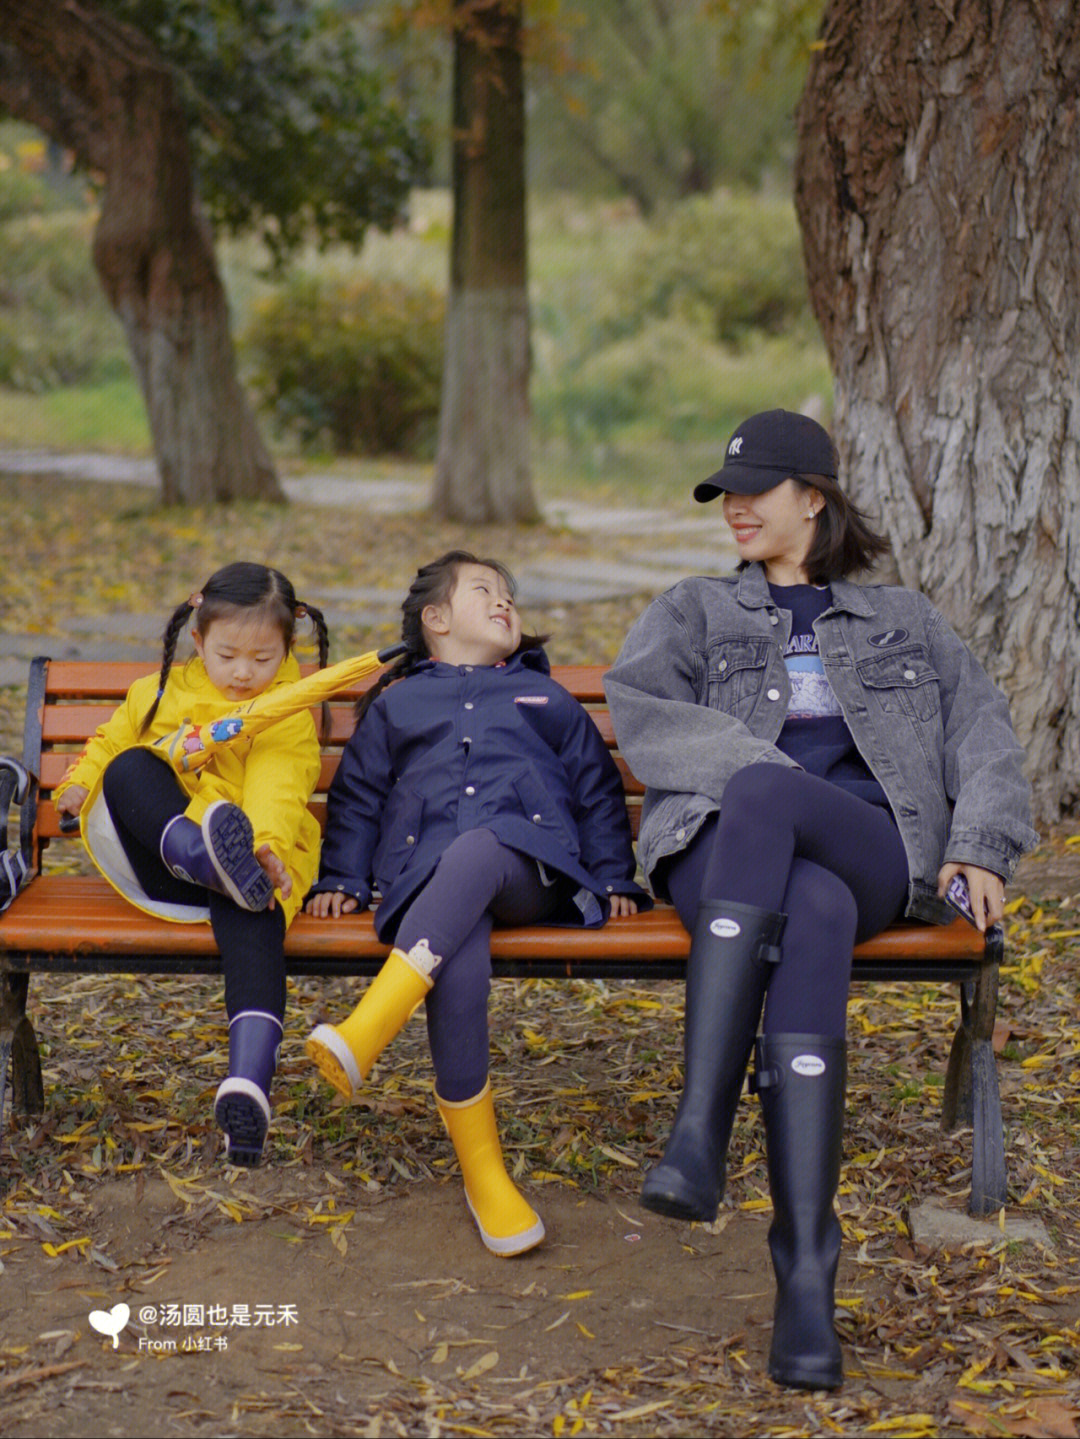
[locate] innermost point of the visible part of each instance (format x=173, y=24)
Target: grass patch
x=108, y=416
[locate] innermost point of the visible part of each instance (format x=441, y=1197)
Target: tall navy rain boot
x=800, y=1080
x=219, y=854
x=732, y=953
x=242, y=1102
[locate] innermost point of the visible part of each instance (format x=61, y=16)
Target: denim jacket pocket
x=736, y=672
x=400, y=835
x=904, y=681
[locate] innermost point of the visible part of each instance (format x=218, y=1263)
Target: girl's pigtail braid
x=400, y=667
x=180, y=617
x=322, y=634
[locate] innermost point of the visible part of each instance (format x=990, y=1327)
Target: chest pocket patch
x=736, y=671
x=904, y=681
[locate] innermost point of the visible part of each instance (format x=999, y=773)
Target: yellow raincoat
x=270, y=777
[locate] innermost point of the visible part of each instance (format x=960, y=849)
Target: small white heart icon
x=110, y=1321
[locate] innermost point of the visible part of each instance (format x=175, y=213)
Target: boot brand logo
x=725, y=928
x=808, y=1064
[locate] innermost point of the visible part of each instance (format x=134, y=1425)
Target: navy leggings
x=143, y=795
x=477, y=882
x=788, y=841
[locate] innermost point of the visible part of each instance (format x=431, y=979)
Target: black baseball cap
x=765, y=450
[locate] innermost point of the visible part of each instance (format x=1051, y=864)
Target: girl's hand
x=622, y=906
x=72, y=800
x=986, y=888
x=275, y=868
x=331, y=902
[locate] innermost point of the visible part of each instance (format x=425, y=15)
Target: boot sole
x=334, y=1060
x=805, y=1379
x=668, y=1195
x=241, y=1111
x=230, y=840
x=507, y=1245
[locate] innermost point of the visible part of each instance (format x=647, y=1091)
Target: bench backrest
x=69, y=699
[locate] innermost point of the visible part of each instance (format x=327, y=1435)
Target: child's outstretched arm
x=119, y=732
x=607, y=848
x=354, y=808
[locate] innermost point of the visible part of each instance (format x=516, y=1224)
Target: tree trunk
x=938, y=189
x=482, y=470
x=152, y=250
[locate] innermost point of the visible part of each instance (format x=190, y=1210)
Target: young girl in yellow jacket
x=233, y=842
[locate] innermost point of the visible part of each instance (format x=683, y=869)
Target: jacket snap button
x=722, y=665
x=772, y=694
x=410, y=839
x=774, y=619
x=470, y=789
x=909, y=674
x=469, y=705
x=537, y=818
x=680, y=834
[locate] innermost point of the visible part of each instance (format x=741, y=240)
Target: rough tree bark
x=938, y=189
x=482, y=469
x=101, y=88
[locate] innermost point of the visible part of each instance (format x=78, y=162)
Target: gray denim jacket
x=700, y=689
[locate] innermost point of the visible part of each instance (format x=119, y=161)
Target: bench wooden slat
x=83, y=913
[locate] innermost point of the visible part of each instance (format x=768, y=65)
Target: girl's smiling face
x=776, y=528
x=242, y=653
x=479, y=623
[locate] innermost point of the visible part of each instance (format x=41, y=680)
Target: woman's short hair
x=844, y=540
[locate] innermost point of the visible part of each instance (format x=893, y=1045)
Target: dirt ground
x=341, y=1288
x=373, y=1308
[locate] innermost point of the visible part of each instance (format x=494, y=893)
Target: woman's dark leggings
x=143, y=795
x=477, y=883
x=788, y=841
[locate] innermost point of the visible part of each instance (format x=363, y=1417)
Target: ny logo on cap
x=735, y=447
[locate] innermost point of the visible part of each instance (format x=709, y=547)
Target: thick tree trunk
x=938, y=188
x=482, y=470
x=103, y=89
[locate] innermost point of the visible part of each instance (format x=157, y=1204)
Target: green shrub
x=730, y=262
x=56, y=327
x=355, y=364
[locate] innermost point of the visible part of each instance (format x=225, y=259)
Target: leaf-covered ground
x=622, y=1323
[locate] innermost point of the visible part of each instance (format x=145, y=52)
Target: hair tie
x=195, y=600
x=300, y=612
x=161, y=692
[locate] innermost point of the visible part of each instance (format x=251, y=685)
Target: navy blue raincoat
x=451, y=748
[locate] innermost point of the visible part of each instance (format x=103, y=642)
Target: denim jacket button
x=909, y=674
x=470, y=789
x=774, y=619
x=772, y=694
x=722, y=665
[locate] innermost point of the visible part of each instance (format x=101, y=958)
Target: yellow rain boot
x=507, y=1223
x=344, y=1053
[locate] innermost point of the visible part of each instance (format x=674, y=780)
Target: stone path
x=692, y=544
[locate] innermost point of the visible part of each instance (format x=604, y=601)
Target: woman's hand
x=622, y=905
x=275, y=868
x=986, y=888
x=331, y=902
x=72, y=800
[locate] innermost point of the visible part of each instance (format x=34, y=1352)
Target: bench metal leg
x=18, y=1040
x=971, y=1085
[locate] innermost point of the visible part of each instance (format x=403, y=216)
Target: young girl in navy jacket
x=475, y=790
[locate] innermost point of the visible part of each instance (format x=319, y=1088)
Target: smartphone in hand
x=959, y=896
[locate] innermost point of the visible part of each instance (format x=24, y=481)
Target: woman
x=820, y=758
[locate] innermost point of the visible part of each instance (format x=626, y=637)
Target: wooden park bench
x=77, y=924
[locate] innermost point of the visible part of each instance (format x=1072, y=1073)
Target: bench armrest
x=17, y=786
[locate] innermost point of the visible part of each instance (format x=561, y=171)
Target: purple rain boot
x=242, y=1103
x=219, y=854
